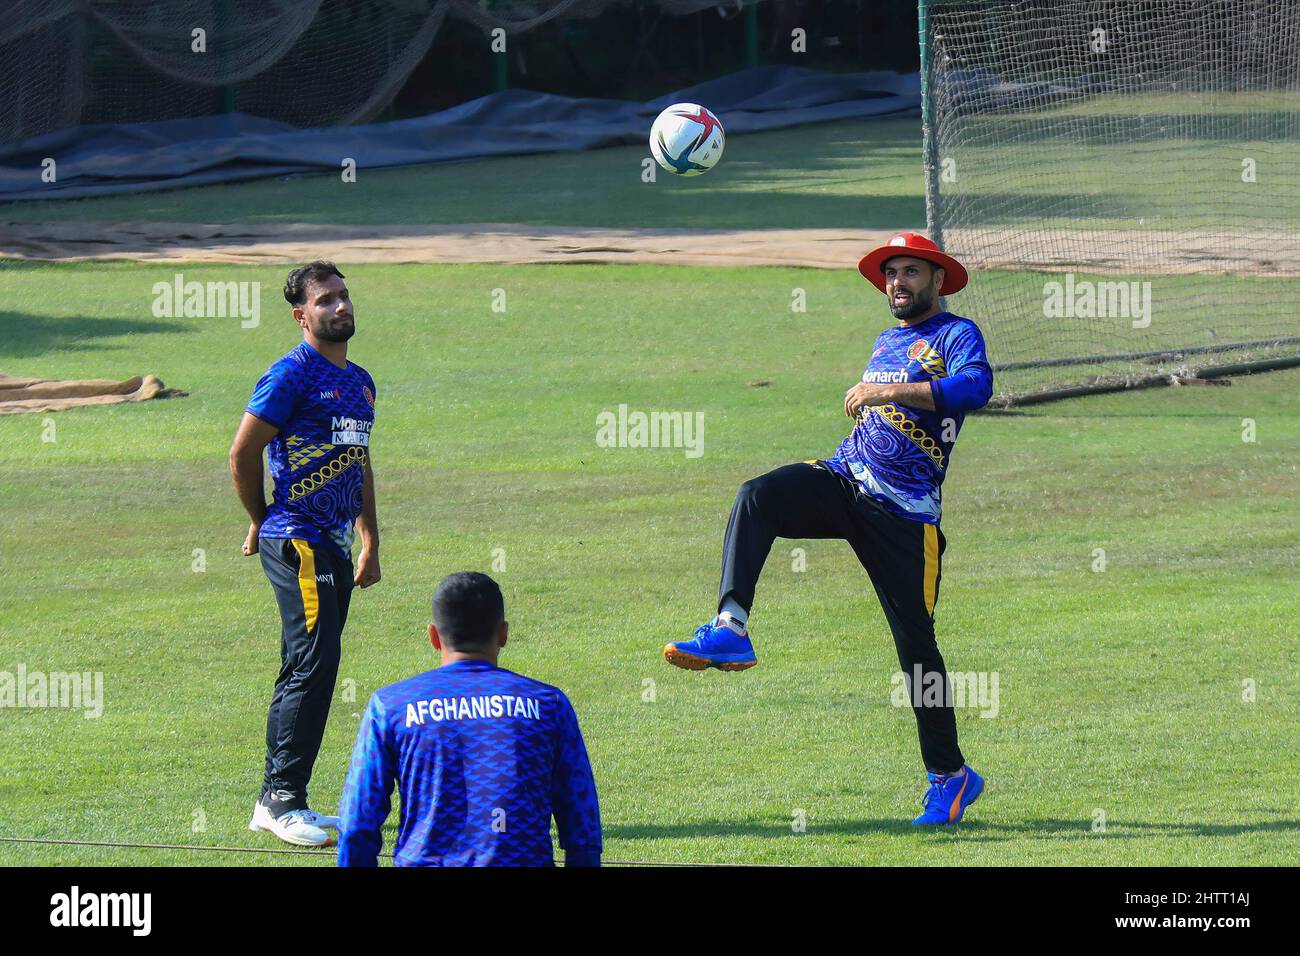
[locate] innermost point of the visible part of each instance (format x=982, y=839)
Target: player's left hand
x=367, y=569
x=863, y=393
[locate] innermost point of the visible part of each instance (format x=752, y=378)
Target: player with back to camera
x=313, y=413
x=880, y=492
x=482, y=757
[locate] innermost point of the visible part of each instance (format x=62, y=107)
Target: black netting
x=1123, y=178
x=303, y=62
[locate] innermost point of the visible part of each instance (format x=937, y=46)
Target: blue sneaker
x=714, y=645
x=948, y=798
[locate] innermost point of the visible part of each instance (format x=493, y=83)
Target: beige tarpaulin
x=18, y=395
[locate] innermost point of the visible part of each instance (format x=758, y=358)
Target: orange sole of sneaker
x=692, y=663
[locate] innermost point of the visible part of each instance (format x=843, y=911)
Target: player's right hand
x=250, y=543
x=860, y=394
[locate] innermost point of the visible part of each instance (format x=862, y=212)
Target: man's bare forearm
x=912, y=394
x=368, y=520
x=246, y=473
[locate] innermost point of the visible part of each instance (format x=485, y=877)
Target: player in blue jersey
x=880, y=492
x=483, y=758
x=312, y=413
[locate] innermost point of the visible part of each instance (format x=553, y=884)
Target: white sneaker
x=292, y=826
x=324, y=821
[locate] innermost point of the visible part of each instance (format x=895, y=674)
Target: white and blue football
x=686, y=139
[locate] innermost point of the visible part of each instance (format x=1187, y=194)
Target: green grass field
x=1020, y=180
x=1131, y=163
x=850, y=175
x=1121, y=691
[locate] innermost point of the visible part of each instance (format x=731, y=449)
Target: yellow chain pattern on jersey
x=911, y=431
x=354, y=455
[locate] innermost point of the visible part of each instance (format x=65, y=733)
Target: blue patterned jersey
x=325, y=414
x=898, y=454
x=482, y=758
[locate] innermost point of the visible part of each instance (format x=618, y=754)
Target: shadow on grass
x=975, y=830
x=27, y=336
x=1048, y=412
x=1091, y=416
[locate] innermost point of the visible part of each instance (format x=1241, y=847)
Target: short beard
x=921, y=303
x=326, y=334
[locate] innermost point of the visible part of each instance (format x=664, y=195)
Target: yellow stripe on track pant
x=931, y=567
x=307, y=582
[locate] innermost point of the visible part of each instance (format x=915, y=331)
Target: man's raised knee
x=751, y=490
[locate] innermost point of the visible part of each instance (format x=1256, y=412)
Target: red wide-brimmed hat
x=913, y=244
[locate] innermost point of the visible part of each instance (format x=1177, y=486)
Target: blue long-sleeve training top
x=483, y=759
x=898, y=454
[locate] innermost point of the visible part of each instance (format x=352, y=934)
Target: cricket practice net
x=308, y=63
x=1123, y=180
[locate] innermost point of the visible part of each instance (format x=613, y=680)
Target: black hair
x=934, y=266
x=295, y=286
x=468, y=610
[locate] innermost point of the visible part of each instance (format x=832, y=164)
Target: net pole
x=930, y=149
x=930, y=139
x=226, y=18
x=751, y=33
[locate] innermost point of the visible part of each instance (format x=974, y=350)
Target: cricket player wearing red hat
x=879, y=492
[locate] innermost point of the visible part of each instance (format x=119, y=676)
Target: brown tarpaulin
x=19, y=395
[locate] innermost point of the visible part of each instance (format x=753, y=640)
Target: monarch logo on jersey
x=332, y=393
x=899, y=375
x=370, y=396
x=351, y=431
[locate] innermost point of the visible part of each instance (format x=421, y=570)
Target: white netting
x=304, y=62
x=1123, y=177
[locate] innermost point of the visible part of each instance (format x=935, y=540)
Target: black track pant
x=808, y=500
x=313, y=587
